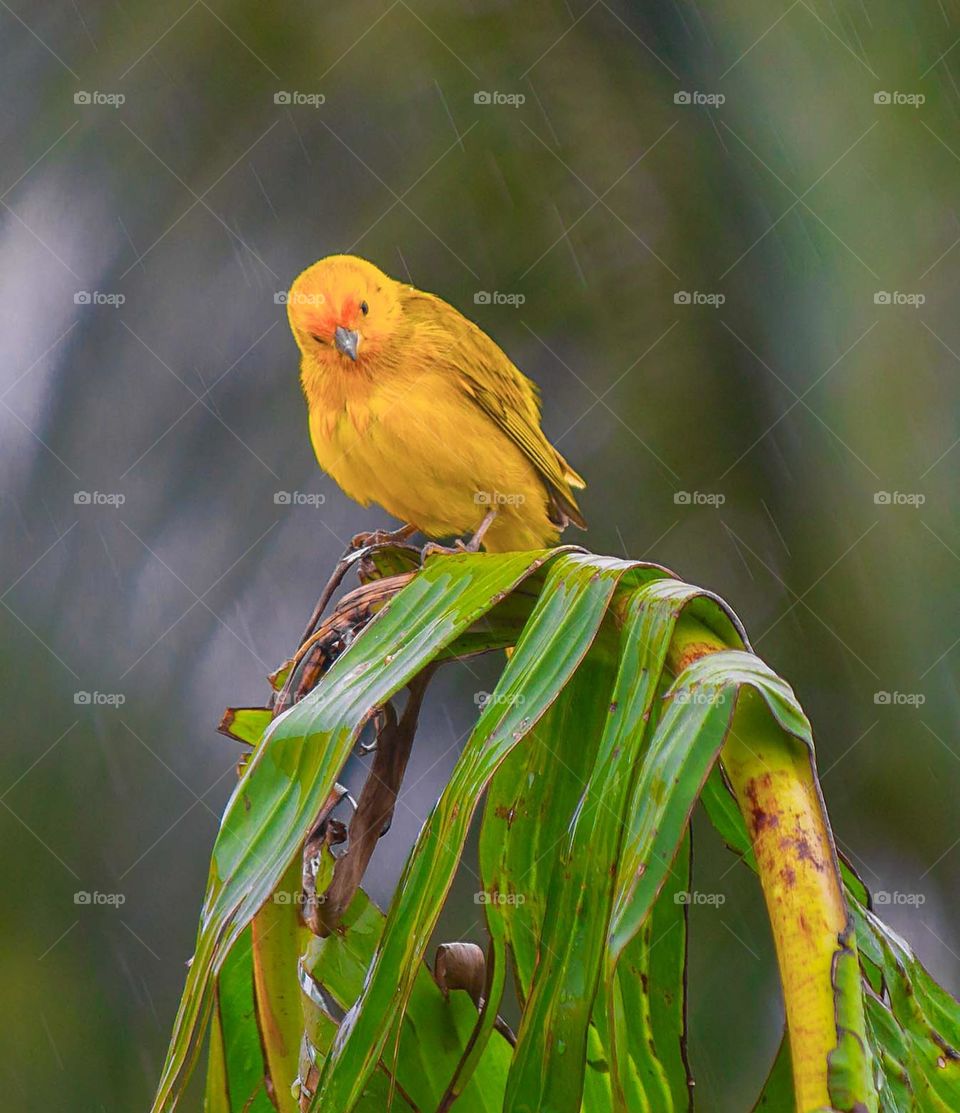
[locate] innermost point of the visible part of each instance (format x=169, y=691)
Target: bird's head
x=342, y=310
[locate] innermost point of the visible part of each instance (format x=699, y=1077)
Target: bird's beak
x=347, y=341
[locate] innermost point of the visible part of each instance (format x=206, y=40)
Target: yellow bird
x=415, y=408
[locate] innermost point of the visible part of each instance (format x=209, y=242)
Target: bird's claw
x=460, y=546
x=382, y=537
x=432, y=548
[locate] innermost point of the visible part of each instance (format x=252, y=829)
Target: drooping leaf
x=920, y=1024
x=562, y=756
x=236, y=1075
x=277, y=938
x=548, y=1069
x=554, y=642
x=295, y=766
x=529, y=805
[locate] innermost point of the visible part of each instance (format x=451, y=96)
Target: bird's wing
x=503, y=392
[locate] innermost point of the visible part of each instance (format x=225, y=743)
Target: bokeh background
x=722, y=238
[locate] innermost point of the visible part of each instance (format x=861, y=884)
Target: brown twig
x=350, y=556
x=319, y=650
x=375, y=806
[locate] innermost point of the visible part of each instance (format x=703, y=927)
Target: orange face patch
x=312, y=316
x=349, y=311
x=319, y=316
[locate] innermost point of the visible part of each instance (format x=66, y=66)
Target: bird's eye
x=364, y=308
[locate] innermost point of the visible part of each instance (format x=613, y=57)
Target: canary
x=413, y=407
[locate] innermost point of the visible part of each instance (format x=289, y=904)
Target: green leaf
x=777, y=1095
x=246, y=724
x=548, y=1069
x=434, y=1028
x=592, y=761
x=554, y=641
x=688, y=737
x=235, y=1075
x=294, y=769
x=277, y=938
x=922, y=1051
x=915, y=1071
x=529, y=805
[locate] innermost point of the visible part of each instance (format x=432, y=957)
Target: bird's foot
x=432, y=548
x=460, y=546
x=473, y=545
x=382, y=537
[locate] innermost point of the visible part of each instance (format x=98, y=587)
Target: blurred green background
x=722, y=238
